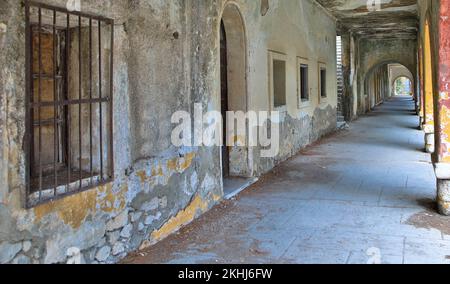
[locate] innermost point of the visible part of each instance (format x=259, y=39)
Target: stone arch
x=398, y=71
x=375, y=53
x=371, y=90
x=394, y=81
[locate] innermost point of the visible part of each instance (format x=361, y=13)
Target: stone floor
x=363, y=195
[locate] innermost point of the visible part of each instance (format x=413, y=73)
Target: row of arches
x=388, y=79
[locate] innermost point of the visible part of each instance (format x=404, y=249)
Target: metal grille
x=69, y=91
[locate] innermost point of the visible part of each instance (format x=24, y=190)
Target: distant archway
x=379, y=81
x=397, y=71
x=402, y=86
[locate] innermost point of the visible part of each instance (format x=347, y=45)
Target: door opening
x=224, y=98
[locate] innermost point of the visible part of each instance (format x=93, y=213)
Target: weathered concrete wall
x=296, y=29
x=166, y=59
x=377, y=86
x=351, y=69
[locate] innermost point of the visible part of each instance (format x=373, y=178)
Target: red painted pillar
x=442, y=111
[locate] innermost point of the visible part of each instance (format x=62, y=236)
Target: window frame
x=107, y=174
x=274, y=55
x=301, y=63
x=322, y=67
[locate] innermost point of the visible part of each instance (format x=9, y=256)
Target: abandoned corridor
x=363, y=195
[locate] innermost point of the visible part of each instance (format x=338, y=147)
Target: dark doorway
x=224, y=98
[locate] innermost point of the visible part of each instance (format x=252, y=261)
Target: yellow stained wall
x=428, y=79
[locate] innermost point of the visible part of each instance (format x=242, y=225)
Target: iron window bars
x=69, y=102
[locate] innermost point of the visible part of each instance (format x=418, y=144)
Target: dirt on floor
x=430, y=219
x=221, y=219
x=227, y=214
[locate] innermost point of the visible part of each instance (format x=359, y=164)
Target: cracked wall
x=165, y=60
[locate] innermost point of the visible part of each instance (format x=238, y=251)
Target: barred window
x=69, y=139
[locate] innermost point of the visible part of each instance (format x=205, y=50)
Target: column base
x=443, y=198
x=430, y=145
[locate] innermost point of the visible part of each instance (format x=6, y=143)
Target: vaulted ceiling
x=392, y=18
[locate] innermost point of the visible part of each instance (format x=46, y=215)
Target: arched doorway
x=233, y=90
x=402, y=86
x=380, y=79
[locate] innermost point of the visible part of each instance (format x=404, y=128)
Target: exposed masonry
x=165, y=60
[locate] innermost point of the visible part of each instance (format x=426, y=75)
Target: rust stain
x=181, y=164
x=183, y=218
x=107, y=203
x=72, y=210
x=216, y=197
x=187, y=161
x=142, y=175
x=173, y=165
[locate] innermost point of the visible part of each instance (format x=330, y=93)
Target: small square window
x=304, y=84
x=323, y=82
x=277, y=71
x=279, y=83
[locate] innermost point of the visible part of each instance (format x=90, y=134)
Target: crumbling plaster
x=165, y=60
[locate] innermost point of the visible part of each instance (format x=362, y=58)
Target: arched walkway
x=379, y=82
x=363, y=189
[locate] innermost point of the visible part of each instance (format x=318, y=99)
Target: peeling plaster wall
x=166, y=59
x=296, y=29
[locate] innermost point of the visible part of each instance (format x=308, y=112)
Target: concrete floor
x=363, y=195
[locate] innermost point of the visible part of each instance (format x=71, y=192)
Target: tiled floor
x=364, y=195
